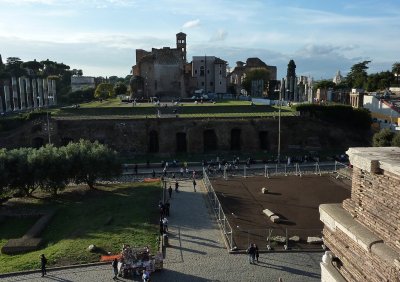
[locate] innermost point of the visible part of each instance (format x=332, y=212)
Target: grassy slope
x=81, y=220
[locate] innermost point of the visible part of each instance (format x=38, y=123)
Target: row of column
x=33, y=93
x=292, y=90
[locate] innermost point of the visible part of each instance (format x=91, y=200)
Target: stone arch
x=153, y=142
x=37, y=142
x=181, y=143
x=210, y=140
x=264, y=140
x=236, y=142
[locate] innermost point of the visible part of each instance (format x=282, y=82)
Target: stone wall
x=364, y=234
x=133, y=135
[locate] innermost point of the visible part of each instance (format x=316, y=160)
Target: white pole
x=244, y=171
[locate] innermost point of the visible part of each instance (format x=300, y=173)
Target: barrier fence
x=219, y=213
x=269, y=238
x=268, y=170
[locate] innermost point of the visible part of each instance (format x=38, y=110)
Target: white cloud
x=191, y=24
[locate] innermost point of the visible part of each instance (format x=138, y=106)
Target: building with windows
x=162, y=70
x=209, y=73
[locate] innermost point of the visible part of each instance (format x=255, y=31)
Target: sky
x=101, y=36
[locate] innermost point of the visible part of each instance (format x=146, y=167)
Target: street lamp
x=279, y=127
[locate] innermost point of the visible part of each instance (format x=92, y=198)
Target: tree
x=382, y=138
x=90, y=161
x=3, y=174
x=120, y=88
x=33, y=65
x=396, y=71
x=255, y=74
x=324, y=84
x=104, y=91
x=357, y=76
x=13, y=67
x=396, y=140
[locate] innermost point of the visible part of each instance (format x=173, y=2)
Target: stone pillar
x=45, y=93
x=295, y=90
x=15, y=93
x=28, y=93
x=54, y=91
x=35, y=95
x=40, y=92
x=21, y=81
x=7, y=98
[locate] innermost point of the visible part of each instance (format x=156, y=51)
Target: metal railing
x=270, y=170
x=219, y=213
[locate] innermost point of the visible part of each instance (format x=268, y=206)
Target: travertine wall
x=364, y=233
x=375, y=202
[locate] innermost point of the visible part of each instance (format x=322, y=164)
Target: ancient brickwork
x=364, y=233
x=357, y=263
x=375, y=203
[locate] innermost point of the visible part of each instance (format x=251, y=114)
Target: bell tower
x=181, y=44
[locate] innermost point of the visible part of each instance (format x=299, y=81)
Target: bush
x=383, y=138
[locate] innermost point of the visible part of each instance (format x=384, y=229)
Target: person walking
x=165, y=224
x=176, y=186
x=43, y=262
x=170, y=191
x=136, y=169
x=194, y=184
x=115, y=268
x=252, y=253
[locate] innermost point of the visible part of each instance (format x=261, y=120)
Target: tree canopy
x=357, y=76
x=255, y=74
x=104, y=91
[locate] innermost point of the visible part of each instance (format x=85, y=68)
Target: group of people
x=252, y=250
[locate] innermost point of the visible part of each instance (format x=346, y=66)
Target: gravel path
x=197, y=253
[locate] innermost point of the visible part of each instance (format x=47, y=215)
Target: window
x=195, y=71
x=208, y=71
x=202, y=71
x=220, y=83
x=202, y=83
x=211, y=83
x=220, y=71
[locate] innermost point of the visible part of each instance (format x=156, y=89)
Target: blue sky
x=100, y=36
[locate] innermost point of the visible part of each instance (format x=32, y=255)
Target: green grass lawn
x=81, y=220
x=113, y=108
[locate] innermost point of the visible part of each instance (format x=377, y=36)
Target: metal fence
x=271, y=239
x=219, y=213
x=269, y=170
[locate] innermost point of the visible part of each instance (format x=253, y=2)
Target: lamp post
x=279, y=127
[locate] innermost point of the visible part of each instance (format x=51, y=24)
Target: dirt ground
x=293, y=198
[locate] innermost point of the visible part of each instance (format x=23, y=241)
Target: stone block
x=264, y=190
x=275, y=218
x=268, y=213
x=294, y=238
x=21, y=245
x=314, y=240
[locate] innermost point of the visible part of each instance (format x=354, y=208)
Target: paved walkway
x=197, y=253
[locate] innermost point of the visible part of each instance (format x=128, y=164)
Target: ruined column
x=15, y=93
x=45, y=93
x=282, y=90
x=54, y=91
x=22, y=93
x=7, y=98
x=40, y=92
x=35, y=95
x=28, y=93
x=296, y=90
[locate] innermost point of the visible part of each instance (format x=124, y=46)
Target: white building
x=385, y=112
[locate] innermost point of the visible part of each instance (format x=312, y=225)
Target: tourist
x=170, y=191
x=146, y=276
x=252, y=252
x=176, y=186
x=115, y=268
x=153, y=174
x=161, y=227
x=181, y=171
x=173, y=175
x=194, y=184
x=43, y=262
x=136, y=169
x=165, y=224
